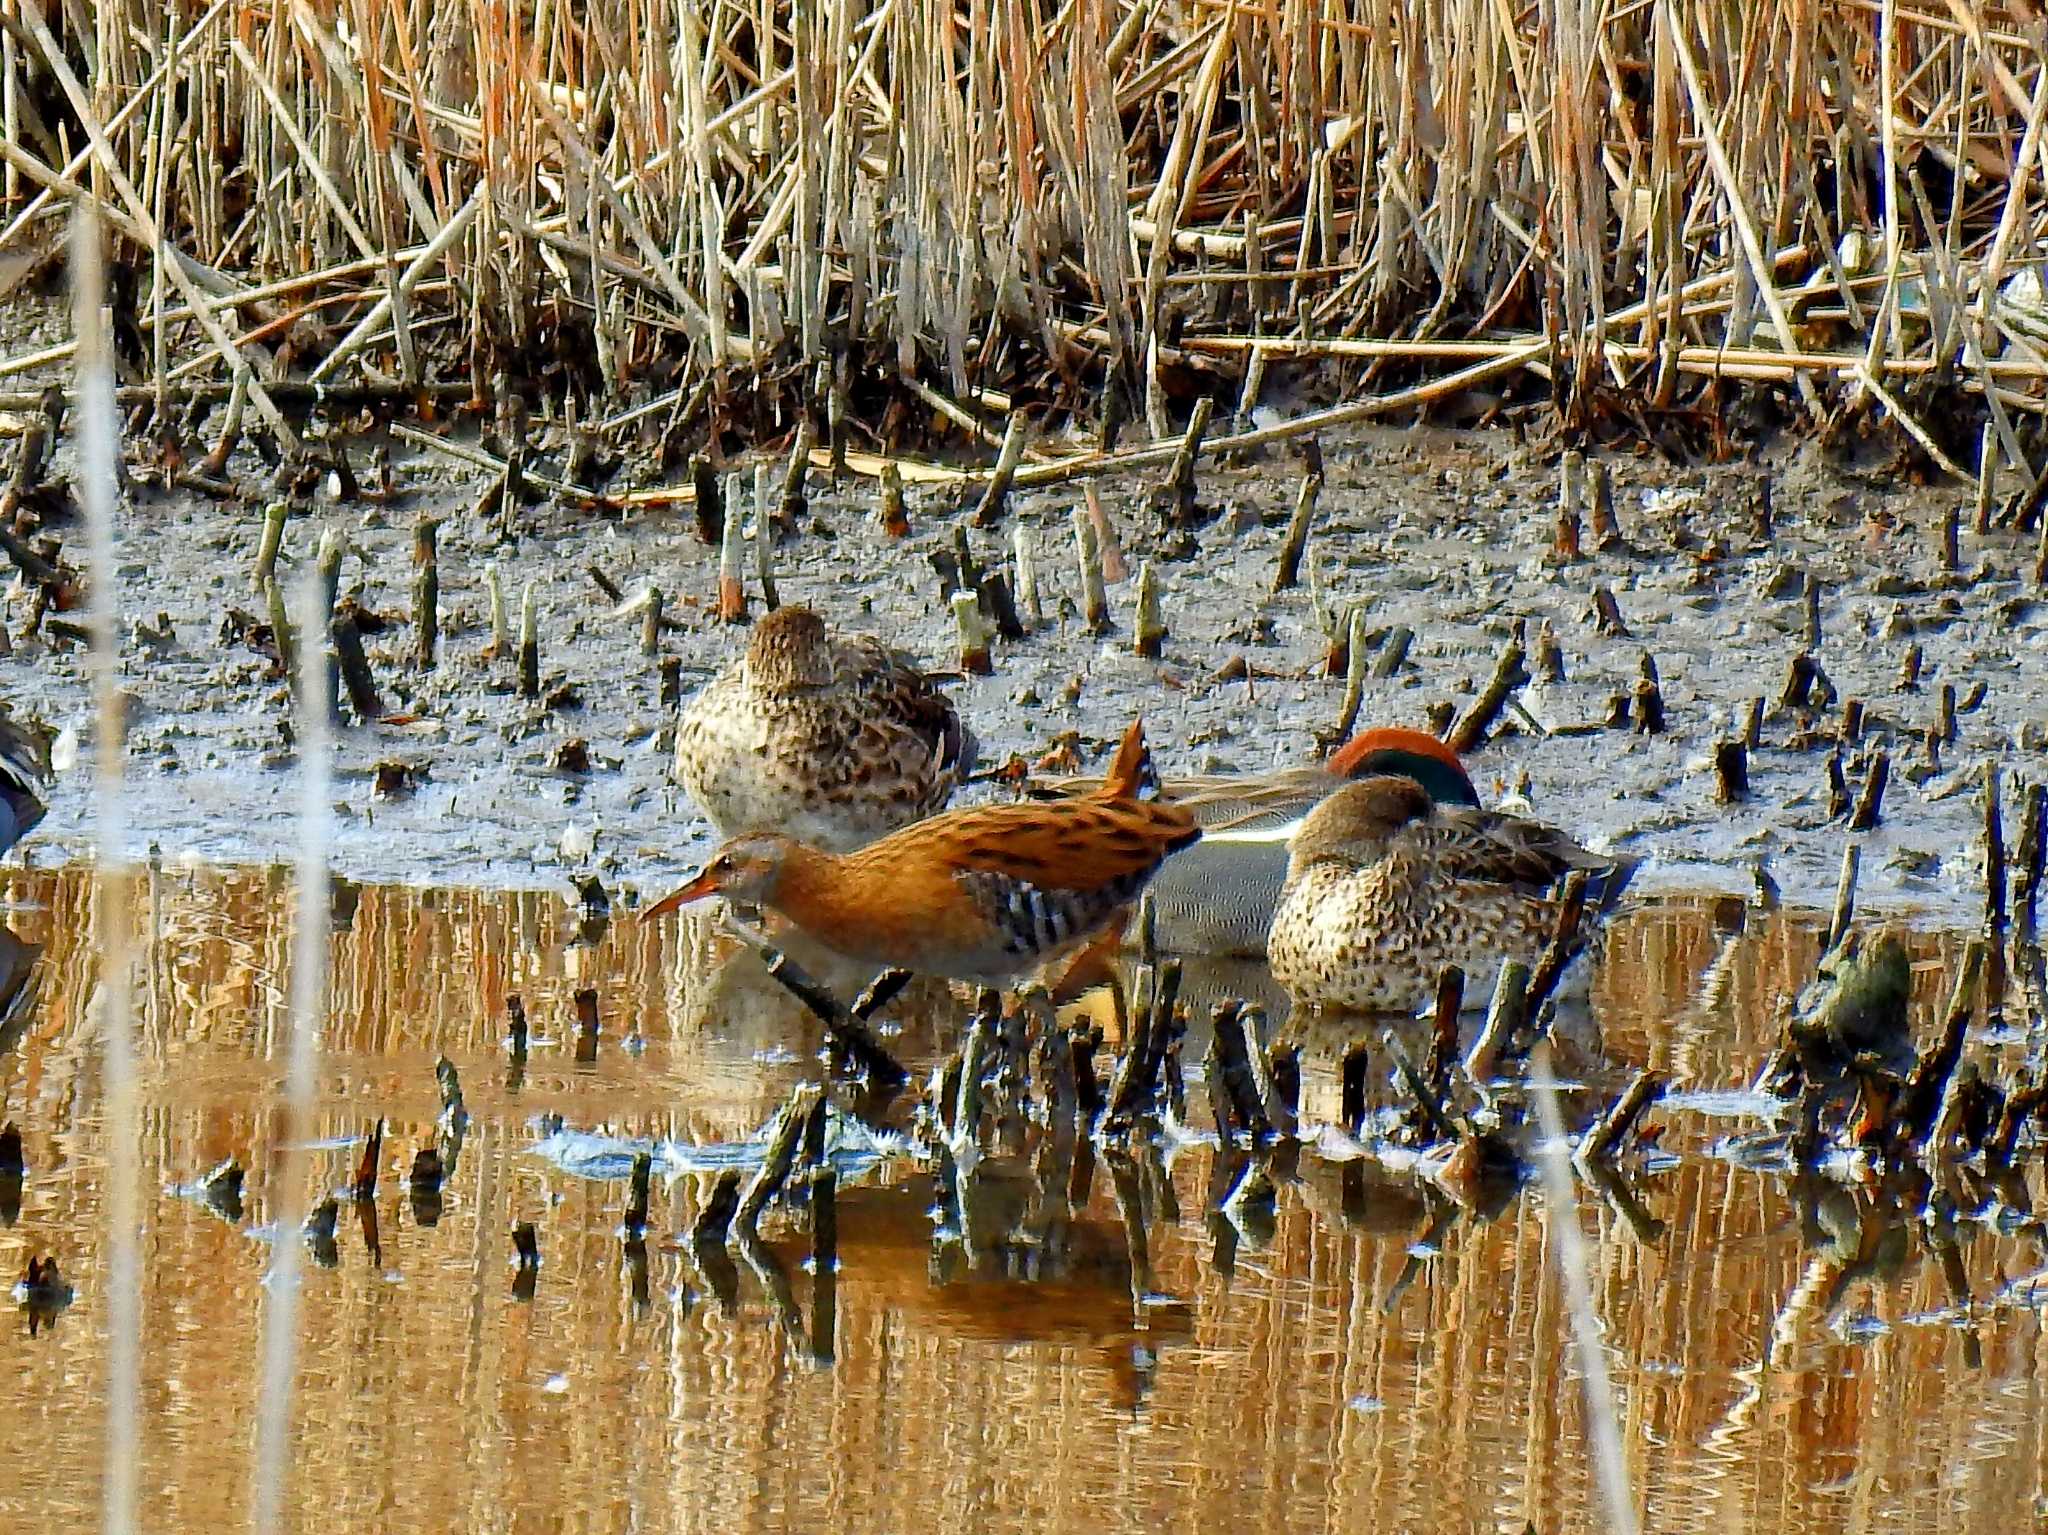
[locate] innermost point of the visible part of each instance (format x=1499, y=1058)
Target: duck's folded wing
x=1488, y=847
x=907, y=701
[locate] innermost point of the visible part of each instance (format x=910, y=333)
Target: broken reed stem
x=1393, y=651
x=1443, y=1038
x=714, y=1221
x=1231, y=1077
x=215, y=464
x=1508, y=674
x=2026, y=889
x=995, y=496
x=780, y=1157
x=650, y=622
x=1870, y=800
x=529, y=645
x=732, y=580
x=354, y=664
x=494, y=586
x=327, y=558
x=1352, y=1094
x=264, y=572
x=281, y=628
x=1148, y=627
x=1601, y=1142
x=836, y=417
x=707, y=504
x=1088, y=555
x=1565, y=539
x=515, y=1028
x=1600, y=496
x=1176, y=497
x=426, y=591
x=1845, y=898
x=1506, y=1015
x=1114, y=567
x=974, y=633
x=1731, y=772
x=1563, y=946
x=1648, y=698
x=1987, y=477
x=895, y=517
x=764, y=537
x=1029, y=605
x=1289, y=569
x=637, y=1195
x=849, y=1035
x=1355, y=668
x=792, y=505
x=1607, y=617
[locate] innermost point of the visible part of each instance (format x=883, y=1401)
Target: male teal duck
x=1218, y=897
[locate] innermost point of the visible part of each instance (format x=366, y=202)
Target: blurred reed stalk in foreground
x=99, y=449
x=311, y=914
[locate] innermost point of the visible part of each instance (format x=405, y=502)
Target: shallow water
x=1375, y=1359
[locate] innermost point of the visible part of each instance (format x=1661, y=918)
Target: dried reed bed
x=703, y=212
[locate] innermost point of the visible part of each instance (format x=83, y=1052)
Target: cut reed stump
x=1088, y=557
x=426, y=591
x=1148, y=626
x=792, y=504
x=1174, y=500
x=1731, y=772
x=732, y=580
x=708, y=503
x=529, y=646
x=895, y=519
x=1566, y=537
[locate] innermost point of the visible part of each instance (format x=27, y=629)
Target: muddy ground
x=1448, y=533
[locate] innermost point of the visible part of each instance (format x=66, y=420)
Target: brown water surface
x=1375, y=1360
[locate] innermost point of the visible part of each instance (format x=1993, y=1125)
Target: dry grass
x=709, y=210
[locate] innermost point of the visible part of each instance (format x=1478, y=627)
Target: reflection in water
x=492, y=1342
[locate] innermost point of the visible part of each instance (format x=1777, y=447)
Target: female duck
x=832, y=741
x=1218, y=899
x=1385, y=887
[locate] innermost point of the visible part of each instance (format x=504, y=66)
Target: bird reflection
x=41, y=1294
